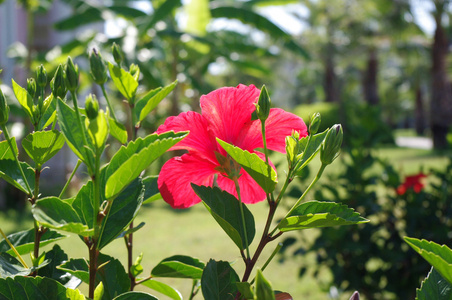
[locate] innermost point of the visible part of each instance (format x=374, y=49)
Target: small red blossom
x=225, y=114
x=412, y=182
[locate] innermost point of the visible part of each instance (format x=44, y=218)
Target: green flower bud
x=292, y=148
x=4, y=109
x=314, y=123
x=31, y=87
x=98, y=67
x=134, y=71
x=331, y=146
x=263, y=105
x=57, y=84
x=71, y=75
x=117, y=53
x=41, y=76
x=91, y=106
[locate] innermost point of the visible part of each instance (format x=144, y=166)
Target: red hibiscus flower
x=411, y=182
x=226, y=114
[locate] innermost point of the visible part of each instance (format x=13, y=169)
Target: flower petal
x=250, y=191
x=278, y=125
x=177, y=174
x=229, y=109
x=198, y=141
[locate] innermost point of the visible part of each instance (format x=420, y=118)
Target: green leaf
x=135, y=296
x=253, y=165
x=54, y=213
x=117, y=130
x=127, y=11
x=124, y=82
x=43, y=145
x=219, y=280
x=151, y=190
x=136, y=268
x=49, y=115
x=179, y=266
x=70, y=127
x=123, y=210
x=315, y=214
x=98, y=130
x=198, y=17
x=163, y=289
x=434, y=287
x=24, y=99
x=76, y=267
x=11, y=267
x=83, y=204
x=225, y=209
x=146, y=104
x=9, y=170
x=245, y=290
x=310, y=147
x=440, y=257
x=99, y=291
x=131, y=230
x=247, y=16
x=264, y=289
x=21, y=288
x=85, y=15
x=160, y=13
x=136, y=157
x=56, y=256
x=24, y=241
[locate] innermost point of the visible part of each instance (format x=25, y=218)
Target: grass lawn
x=195, y=233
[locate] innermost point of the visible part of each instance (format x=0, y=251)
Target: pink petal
x=199, y=140
x=278, y=125
x=177, y=174
x=229, y=109
x=250, y=191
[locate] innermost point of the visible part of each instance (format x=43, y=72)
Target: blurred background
x=381, y=68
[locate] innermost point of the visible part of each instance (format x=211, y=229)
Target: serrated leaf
x=316, y=214
x=11, y=267
x=310, y=147
x=434, y=287
x=43, y=145
x=149, y=101
x=225, y=208
x=151, y=190
x=24, y=99
x=21, y=288
x=179, y=266
x=123, y=210
x=117, y=130
x=133, y=163
x=9, y=170
x=135, y=296
x=77, y=267
x=253, y=165
x=163, y=289
x=218, y=281
x=440, y=257
x=70, y=127
x=54, y=213
x=124, y=82
x=23, y=241
x=83, y=204
x=263, y=287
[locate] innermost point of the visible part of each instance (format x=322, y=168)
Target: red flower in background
x=411, y=182
x=226, y=114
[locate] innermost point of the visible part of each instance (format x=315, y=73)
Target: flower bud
x=117, y=54
x=292, y=148
x=31, y=87
x=57, y=84
x=98, y=68
x=314, y=123
x=134, y=71
x=71, y=75
x=263, y=105
x=4, y=109
x=331, y=146
x=91, y=106
x=41, y=76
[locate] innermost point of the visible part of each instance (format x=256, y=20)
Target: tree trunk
x=330, y=80
x=419, y=121
x=370, y=86
x=440, y=105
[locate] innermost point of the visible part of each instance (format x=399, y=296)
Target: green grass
x=195, y=233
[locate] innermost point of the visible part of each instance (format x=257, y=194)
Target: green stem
x=14, y=249
x=112, y=112
x=79, y=162
x=264, y=139
x=5, y=132
x=237, y=187
x=278, y=247
x=96, y=204
x=283, y=189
